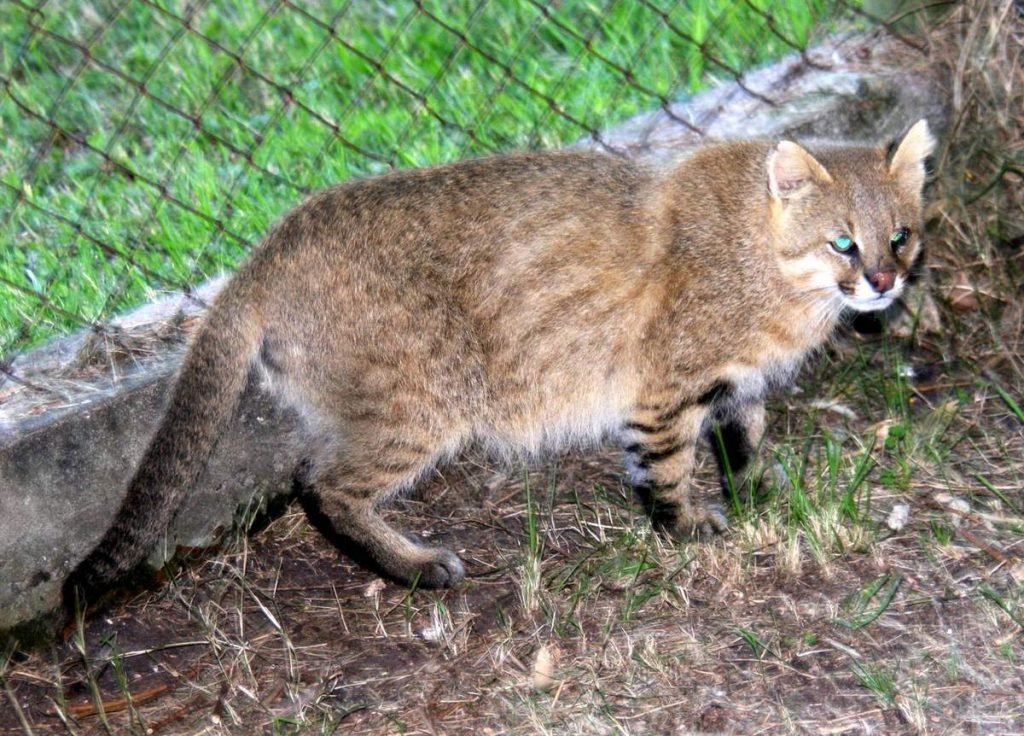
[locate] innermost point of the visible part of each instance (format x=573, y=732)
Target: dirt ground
x=881, y=630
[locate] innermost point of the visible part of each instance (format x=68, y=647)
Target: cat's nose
x=881, y=281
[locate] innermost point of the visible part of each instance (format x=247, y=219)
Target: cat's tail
x=202, y=401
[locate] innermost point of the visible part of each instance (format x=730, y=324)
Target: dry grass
x=879, y=588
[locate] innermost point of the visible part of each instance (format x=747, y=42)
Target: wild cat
x=527, y=301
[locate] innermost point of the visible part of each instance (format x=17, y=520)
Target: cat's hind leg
x=347, y=491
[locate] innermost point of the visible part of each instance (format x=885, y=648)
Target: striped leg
x=735, y=436
x=660, y=451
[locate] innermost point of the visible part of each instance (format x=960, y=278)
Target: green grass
x=141, y=155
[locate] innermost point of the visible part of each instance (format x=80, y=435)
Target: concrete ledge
x=64, y=470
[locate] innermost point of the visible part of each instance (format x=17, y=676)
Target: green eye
x=899, y=238
x=842, y=244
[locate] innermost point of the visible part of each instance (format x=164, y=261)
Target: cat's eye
x=899, y=238
x=843, y=244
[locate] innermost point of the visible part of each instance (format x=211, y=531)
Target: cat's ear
x=792, y=171
x=907, y=163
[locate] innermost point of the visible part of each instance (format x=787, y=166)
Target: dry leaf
x=543, y=670
x=957, y=507
x=831, y=405
x=962, y=296
x=898, y=517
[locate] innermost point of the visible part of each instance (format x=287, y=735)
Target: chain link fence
x=147, y=144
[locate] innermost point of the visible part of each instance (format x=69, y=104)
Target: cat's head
x=847, y=221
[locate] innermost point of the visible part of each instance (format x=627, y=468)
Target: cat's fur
x=528, y=301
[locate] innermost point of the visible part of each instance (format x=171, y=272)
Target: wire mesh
x=148, y=143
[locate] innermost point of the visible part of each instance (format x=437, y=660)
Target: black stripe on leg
x=663, y=512
x=673, y=412
x=665, y=418
x=654, y=445
x=718, y=391
x=646, y=455
x=645, y=428
x=655, y=456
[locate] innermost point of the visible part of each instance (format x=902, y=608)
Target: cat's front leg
x=735, y=433
x=660, y=445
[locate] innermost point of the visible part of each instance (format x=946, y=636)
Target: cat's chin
x=870, y=305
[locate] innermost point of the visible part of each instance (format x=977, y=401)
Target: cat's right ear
x=906, y=164
x=792, y=171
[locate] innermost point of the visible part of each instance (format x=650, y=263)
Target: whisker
x=816, y=289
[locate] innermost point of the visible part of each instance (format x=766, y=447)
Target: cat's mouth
x=864, y=298
x=873, y=304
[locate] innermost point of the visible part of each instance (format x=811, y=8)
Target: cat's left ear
x=792, y=171
x=907, y=163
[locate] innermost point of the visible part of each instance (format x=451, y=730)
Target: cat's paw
x=700, y=524
x=439, y=568
x=760, y=483
x=415, y=563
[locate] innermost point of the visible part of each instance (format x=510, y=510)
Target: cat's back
x=472, y=205
x=496, y=236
